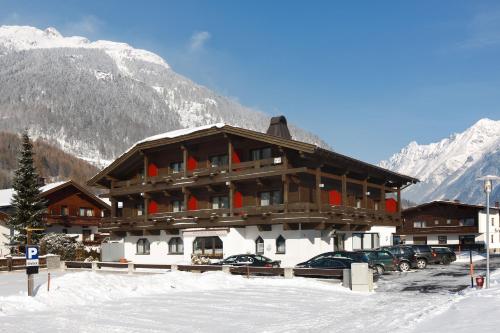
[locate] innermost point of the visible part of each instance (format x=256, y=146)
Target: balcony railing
x=72, y=220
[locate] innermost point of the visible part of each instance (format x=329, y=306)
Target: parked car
x=407, y=258
x=444, y=255
x=249, y=260
x=356, y=256
x=425, y=255
x=332, y=262
x=382, y=260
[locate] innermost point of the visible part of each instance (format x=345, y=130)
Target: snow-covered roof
x=7, y=194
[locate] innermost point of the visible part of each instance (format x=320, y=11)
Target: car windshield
x=231, y=259
x=262, y=258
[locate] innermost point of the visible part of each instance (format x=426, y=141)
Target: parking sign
x=32, y=262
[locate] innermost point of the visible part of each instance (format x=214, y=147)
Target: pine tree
x=28, y=206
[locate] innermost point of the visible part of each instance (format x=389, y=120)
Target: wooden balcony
x=291, y=213
x=68, y=220
x=200, y=177
x=439, y=229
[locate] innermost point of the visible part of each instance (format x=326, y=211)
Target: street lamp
x=488, y=185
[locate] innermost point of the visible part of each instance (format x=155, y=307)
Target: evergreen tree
x=28, y=206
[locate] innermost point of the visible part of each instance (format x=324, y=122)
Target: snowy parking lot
x=434, y=299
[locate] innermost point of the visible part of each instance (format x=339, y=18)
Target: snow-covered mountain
x=95, y=99
x=448, y=169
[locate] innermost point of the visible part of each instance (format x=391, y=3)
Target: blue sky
x=367, y=76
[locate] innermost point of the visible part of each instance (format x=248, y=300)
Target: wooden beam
x=399, y=199
x=184, y=160
x=318, y=188
x=231, y=199
x=344, y=190
x=365, y=196
x=146, y=168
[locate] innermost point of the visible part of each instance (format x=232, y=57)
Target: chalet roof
x=7, y=194
x=207, y=130
x=437, y=203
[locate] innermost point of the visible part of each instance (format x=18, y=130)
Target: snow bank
x=90, y=288
x=463, y=256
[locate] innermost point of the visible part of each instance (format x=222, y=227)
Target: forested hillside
x=51, y=162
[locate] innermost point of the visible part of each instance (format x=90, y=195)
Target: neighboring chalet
x=71, y=209
x=450, y=223
x=219, y=190
x=4, y=234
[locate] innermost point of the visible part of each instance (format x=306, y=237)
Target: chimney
x=41, y=181
x=278, y=127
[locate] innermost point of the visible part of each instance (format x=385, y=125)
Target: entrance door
x=338, y=242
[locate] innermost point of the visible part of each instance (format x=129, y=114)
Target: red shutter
x=152, y=170
x=334, y=198
x=192, y=203
x=391, y=205
x=192, y=163
x=152, y=207
x=237, y=200
x=236, y=157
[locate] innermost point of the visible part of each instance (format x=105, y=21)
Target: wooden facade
x=224, y=176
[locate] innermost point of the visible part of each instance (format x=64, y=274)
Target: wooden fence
x=18, y=263
x=240, y=270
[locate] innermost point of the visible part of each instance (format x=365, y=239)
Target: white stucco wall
x=494, y=228
x=4, y=230
x=300, y=244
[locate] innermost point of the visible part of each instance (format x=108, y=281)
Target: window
x=448, y=221
x=261, y=154
x=492, y=222
x=419, y=224
x=468, y=222
x=442, y=239
x=467, y=239
x=396, y=239
x=139, y=208
x=436, y=222
x=177, y=167
x=280, y=245
x=86, y=235
x=220, y=202
x=177, y=206
x=218, y=161
x=365, y=241
x=142, y=246
x=259, y=245
x=208, y=246
x=88, y=212
x=175, y=245
x=64, y=211
x=65, y=231
x=270, y=198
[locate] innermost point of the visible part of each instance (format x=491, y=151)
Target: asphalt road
x=435, y=278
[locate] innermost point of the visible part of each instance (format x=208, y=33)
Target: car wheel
x=404, y=266
x=446, y=261
x=421, y=263
x=380, y=269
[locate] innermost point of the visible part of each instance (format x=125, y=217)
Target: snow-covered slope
x=95, y=99
x=448, y=169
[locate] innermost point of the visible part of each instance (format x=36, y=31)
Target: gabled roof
x=208, y=130
x=7, y=194
x=441, y=203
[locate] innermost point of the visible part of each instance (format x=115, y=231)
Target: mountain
x=95, y=99
x=448, y=169
x=51, y=162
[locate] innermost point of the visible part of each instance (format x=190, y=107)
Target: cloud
x=483, y=30
x=87, y=26
x=198, y=40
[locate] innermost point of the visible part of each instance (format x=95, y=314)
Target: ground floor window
x=364, y=241
x=208, y=246
x=175, y=245
x=420, y=240
x=442, y=240
x=467, y=239
x=338, y=242
x=86, y=235
x=280, y=245
x=396, y=239
x=143, y=246
x=259, y=245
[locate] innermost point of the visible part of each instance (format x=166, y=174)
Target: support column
x=185, y=191
x=113, y=207
x=145, y=168
x=344, y=190
x=318, y=188
x=399, y=199
x=184, y=160
x=146, y=204
x=382, y=198
x=365, y=196
x=286, y=181
x=230, y=150
x=231, y=199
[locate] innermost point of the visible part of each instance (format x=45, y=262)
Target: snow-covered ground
x=86, y=301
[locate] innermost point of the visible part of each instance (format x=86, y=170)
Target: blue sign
x=31, y=252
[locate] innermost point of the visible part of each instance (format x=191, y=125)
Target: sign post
x=32, y=265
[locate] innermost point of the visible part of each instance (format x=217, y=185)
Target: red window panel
x=236, y=157
x=192, y=203
x=391, y=205
x=152, y=170
x=334, y=198
x=153, y=207
x=237, y=200
x=192, y=163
